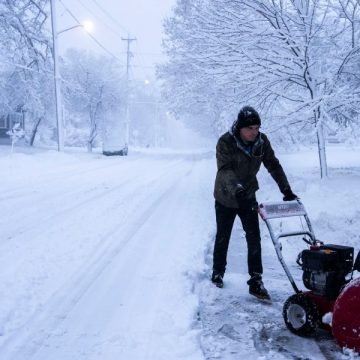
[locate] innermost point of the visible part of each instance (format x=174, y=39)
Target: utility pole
x=127, y=116
x=57, y=79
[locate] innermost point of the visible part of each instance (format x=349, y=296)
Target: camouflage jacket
x=237, y=167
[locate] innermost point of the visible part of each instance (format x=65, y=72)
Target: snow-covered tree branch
x=297, y=61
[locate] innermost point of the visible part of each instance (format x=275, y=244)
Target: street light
x=88, y=26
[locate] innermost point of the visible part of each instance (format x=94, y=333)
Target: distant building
x=7, y=122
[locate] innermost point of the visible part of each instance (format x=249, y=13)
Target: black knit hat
x=247, y=116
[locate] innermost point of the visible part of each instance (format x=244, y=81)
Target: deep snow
x=109, y=258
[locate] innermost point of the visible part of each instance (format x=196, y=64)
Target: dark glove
x=289, y=195
x=240, y=194
x=254, y=205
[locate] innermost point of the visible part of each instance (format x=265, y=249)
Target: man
x=239, y=154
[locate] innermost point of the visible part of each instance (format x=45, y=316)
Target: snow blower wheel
x=301, y=315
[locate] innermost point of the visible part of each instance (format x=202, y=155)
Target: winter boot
x=257, y=288
x=217, y=279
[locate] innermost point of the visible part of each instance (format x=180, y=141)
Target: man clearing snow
x=239, y=154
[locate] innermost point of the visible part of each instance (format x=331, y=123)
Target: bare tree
x=92, y=84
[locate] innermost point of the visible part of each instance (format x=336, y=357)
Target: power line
x=141, y=59
x=110, y=16
x=91, y=36
x=152, y=54
x=122, y=27
x=99, y=18
x=147, y=53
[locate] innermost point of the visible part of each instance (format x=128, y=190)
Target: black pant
x=225, y=220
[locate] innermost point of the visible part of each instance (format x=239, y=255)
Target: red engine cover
x=346, y=316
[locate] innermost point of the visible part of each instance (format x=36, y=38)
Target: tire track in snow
x=28, y=340
x=44, y=179
x=31, y=229
x=131, y=329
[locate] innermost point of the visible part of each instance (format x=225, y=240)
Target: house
x=7, y=122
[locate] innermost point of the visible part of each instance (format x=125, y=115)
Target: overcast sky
x=114, y=19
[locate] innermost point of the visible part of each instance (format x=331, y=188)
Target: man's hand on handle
x=289, y=195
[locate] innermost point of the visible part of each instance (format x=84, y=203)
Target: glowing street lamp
x=88, y=26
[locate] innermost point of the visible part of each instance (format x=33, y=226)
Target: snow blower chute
x=327, y=273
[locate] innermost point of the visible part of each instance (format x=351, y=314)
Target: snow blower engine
x=327, y=272
x=325, y=268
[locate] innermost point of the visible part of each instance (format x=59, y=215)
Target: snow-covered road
x=110, y=258
x=110, y=247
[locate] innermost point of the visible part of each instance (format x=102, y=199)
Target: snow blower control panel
x=325, y=268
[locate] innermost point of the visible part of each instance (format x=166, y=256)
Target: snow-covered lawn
x=109, y=258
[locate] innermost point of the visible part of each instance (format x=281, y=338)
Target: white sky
x=138, y=18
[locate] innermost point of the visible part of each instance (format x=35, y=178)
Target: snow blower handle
x=281, y=209
x=269, y=211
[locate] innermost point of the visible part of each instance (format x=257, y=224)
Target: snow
x=110, y=257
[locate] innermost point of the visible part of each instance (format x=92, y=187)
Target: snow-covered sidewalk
x=235, y=326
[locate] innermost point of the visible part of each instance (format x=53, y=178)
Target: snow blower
x=327, y=273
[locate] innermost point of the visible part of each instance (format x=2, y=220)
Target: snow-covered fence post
x=16, y=133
